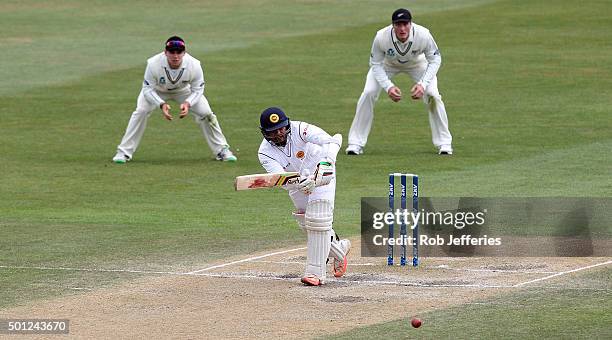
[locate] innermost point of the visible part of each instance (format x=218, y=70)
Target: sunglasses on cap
x=175, y=44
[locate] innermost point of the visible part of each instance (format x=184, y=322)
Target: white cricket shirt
x=304, y=150
x=160, y=78
x=388, y=52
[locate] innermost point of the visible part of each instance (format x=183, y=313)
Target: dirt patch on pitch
x=264, y=298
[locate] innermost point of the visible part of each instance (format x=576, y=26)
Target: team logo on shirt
x=300, y=154
x=391, y=52
x=162, y=80
x=274, y=118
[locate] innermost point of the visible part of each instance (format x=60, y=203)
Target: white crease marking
x=245, y=260
x=562, y=273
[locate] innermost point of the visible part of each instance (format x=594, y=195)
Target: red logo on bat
x=258, y=183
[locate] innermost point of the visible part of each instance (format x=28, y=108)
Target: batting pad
x=319, y=217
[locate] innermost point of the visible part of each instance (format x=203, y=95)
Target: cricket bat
x=258, y=181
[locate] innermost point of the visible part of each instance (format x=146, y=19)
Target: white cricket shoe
x=445, y=150
x=226, y=155
x=353, y=149
x=340, y=266
x=121, y=158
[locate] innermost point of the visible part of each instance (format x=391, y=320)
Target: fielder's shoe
x=340, y=266
x=121, y=158
x=226, y=155
x=311, y=280
x=445, y=150
x=353, y=149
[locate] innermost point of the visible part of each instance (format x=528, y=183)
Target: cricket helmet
x=272, y=119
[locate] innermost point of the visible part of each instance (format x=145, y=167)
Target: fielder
x=402, y=47
x=173, y=74
x=307, y=149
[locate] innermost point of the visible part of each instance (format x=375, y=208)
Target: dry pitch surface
x=261, y=296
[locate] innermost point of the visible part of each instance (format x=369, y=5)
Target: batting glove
x=325, y=173
x=306, y=184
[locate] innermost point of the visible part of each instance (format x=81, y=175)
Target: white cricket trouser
x=201, y=112
x=364, y=114
x=325, y=192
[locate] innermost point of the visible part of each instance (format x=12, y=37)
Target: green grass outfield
x=526, y=85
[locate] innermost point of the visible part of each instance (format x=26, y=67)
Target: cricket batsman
x=307, y=149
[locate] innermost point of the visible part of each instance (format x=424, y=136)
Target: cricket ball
x=415, y=322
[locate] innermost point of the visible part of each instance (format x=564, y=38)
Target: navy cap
x=401, y=15
x=272, y=118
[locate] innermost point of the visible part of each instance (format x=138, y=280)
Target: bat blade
x=259, y=181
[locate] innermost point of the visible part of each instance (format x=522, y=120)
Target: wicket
x=403, y=227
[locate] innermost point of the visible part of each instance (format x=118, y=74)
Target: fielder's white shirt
x=159, y=77
x=305, y=148
x=388, y=52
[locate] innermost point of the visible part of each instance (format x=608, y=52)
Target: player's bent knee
x=318, y=224
x=319, y=215
x=209, y=118
x=372, y=94
x=433, y=95
x=141, y=113
x=200, y=111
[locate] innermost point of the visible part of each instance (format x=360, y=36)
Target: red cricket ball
x=416, y=323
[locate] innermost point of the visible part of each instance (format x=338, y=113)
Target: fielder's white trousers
x=364, y=114
x=203, y=116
